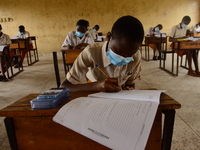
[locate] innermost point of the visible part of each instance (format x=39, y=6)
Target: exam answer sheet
x=121, y=120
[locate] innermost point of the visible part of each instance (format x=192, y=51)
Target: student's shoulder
x=95, y=47
x=137, y=55
x=72, y=33
x=5, y=35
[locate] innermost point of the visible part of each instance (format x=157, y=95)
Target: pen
x=102, y=71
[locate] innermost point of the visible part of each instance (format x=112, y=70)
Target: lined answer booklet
x=120, y=121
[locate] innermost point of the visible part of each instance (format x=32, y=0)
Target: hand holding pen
x=108, y=84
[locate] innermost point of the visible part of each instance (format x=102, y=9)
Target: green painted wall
x=51, y=20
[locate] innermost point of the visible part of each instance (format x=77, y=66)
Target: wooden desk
x=153, y=40
x=22, y=44
x=179, y=46
x=34, y=129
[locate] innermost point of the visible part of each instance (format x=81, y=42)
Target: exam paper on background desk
x=160, y=35
x=120, y=124
x=189, y=39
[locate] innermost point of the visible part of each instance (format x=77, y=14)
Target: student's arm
x=107, y=85
x=81, y=46
x=172, y=35
x=66, y=44
x=149, y=32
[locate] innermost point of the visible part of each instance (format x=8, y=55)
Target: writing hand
x=108, y=85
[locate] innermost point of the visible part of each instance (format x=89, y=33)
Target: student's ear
x=108, y=36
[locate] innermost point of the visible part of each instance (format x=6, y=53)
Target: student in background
x=22, y=34
x=94, y=32
x=78, y=39
x=4, y=40
x=111, y=65
x=152, y=31
x=179, y=31
x=195, y=28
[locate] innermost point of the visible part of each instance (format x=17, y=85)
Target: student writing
x=178, y=32
x=78, y=39
x=118, y=57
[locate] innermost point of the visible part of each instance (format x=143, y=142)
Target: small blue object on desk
x=50, y=98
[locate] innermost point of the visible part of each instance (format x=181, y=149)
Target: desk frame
x=175, y=48
x=153, y=40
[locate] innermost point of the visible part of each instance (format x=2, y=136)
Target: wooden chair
x=34, y=50
x=69, y=56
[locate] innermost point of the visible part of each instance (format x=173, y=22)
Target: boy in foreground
x=112, y=65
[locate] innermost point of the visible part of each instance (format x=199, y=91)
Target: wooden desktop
x=34, y=129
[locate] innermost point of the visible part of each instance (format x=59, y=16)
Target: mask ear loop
x=108, y=36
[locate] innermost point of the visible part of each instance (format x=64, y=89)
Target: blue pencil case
x=51, y=100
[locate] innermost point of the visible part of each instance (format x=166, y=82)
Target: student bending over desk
x=195, y=28
x=110, y=65
x=4, y=40
x=178, y=32
x=151, y=32
x=22, y=34
x=94, y=32
x=78, y=39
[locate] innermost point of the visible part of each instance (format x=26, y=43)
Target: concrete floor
x=185, y=89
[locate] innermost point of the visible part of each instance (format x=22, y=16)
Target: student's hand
x=108, y=85
x=81, y=46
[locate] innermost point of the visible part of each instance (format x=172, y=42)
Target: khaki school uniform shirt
x=5, y=39
x=74, y=40
x=84, y=66
x=194, y=29
x=177, y=31
x=25, y=36
x=150, y=31
x=93, y=34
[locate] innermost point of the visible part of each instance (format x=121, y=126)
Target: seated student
x=94, y=32
x=22, y=34
x=151, y=32
x=119, y=58
x=4, y=40
x=178, y=32
x=78, y=39
x=195, y=28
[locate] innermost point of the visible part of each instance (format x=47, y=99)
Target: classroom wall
x=51, y=20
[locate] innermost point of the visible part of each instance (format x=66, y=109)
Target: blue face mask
x=116, y=59
x=157, y=29
x=95, y=30
x=79, y=34
x=21, y=33
x=183, y=25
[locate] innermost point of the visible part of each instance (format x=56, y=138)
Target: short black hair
x=83, y=23
x=186, y=18
x=96, y=26
x=21, y=27
x=160, y=25
x=128, y=27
